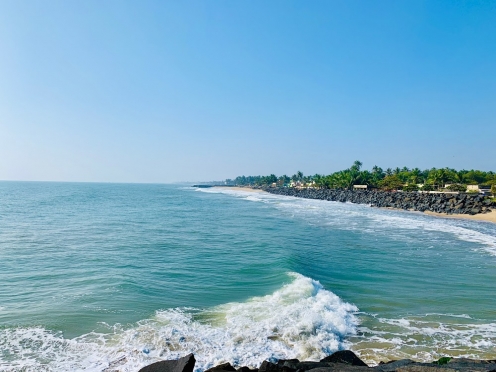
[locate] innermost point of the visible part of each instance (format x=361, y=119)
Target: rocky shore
x=462, y=203
x=345, y=361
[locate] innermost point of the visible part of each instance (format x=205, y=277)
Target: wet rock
x=393, y=365
x=341, y=361
x=466, y=364
x=424, y=368
x=268, y=367
x=222, y=367
x=307, y=366
x=246, y=369
x=345, y=357
x=287, y=363
x=185, y=364
x=340, y=367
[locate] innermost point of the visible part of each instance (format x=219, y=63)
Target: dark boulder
x=340, y=367
x=268, y=367
x=394, y=365
x=474, y=365
x=424, y=367
x=287, y=362
x=307, y=366
x=185, y=364
x=344, y=357
x=288, y=365
x=246, y=369
x=222, y=367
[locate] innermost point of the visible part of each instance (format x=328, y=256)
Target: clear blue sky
x=166, y=91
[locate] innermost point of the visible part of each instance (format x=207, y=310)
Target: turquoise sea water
x=99, y=277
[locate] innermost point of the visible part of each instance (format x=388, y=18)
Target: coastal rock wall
x=441, y=203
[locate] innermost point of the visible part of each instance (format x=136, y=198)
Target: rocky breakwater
x=345, y=361
x=462, y=203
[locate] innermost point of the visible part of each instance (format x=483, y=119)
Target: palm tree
x=377, y=175
x=318, y=179
x=415, y=176
x=376, y=169
x=357, y=165
x=344, y=180
x=439, y=177
x=352, y=175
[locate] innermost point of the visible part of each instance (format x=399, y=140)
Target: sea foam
x=348, y=216
x=300, y=320
x=424, y=338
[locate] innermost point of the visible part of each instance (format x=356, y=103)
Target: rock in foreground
x=340, y=361
x=344, y=357
x=185, y=364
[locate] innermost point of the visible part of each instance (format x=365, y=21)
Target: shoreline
x=481, y=217
x=484, y=217
x=249, y=189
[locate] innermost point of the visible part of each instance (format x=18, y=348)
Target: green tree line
x=388, y=179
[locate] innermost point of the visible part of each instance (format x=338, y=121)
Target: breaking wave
x=300, y=320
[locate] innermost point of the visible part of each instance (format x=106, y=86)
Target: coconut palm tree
x=415, y=176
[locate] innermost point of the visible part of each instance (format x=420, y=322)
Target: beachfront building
x=297, y=184
x=480, y=189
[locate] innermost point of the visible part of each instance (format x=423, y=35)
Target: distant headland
x=444, y=191
x=398, y=179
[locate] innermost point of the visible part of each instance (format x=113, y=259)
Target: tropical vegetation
x=389, y=179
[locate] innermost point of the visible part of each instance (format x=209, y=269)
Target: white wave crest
x=462, y=230
x=348, y=216
x=300, y=320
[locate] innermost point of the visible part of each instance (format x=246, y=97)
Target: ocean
x=113, y=277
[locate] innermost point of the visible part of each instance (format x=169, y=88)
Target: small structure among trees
x=353, y=178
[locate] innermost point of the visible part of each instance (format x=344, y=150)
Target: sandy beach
x=488, y=217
